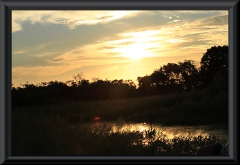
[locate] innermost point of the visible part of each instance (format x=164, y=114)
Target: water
x=220, y=131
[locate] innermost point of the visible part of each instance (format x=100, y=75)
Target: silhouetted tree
x=172, y=71
x=189, y=75
x=167, y=79
x=159, y=78
x=215, y=59
x=29, y=94
x=78, y=78
x=220, y=82
x=145, y=85
x=170, y=78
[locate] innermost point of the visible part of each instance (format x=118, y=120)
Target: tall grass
x=46, y=130
x=183, y=109
x=54, y=136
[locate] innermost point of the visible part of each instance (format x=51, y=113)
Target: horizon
x=55, y=45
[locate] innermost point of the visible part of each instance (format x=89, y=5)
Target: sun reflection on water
x=170, y=132
x=152, y=132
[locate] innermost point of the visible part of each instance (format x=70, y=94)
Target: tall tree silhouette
x=145, y=85
x=172, y=71
x=167, y=78
x=215, y=59
x=189, y=75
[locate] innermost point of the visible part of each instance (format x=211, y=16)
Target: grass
x=55, y=136
x=173, y=109
x=47, y=130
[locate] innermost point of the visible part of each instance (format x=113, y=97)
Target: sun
x=135, y=51
x=135, y=45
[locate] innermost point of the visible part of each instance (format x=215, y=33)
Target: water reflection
x=220, y=131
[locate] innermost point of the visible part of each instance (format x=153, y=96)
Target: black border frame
x=6, y=6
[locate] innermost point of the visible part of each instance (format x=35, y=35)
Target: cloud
x=19, y=17
x=41, y=71
x=175, y=40
x=45, y=45
x=161, y=40
x=19, y=52
x=16, y=27
x=72, y=19
x=219, y=20
x=175, y=20
x=47, y=54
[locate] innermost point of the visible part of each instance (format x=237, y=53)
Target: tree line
x=170, y=78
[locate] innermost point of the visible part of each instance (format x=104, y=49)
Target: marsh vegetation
x=48, y=130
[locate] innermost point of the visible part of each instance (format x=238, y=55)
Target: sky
x=112, y=44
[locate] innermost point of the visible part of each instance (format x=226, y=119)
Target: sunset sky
x=55, y=45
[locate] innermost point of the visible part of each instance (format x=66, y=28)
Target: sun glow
x=137, y=45
x=135, y=51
